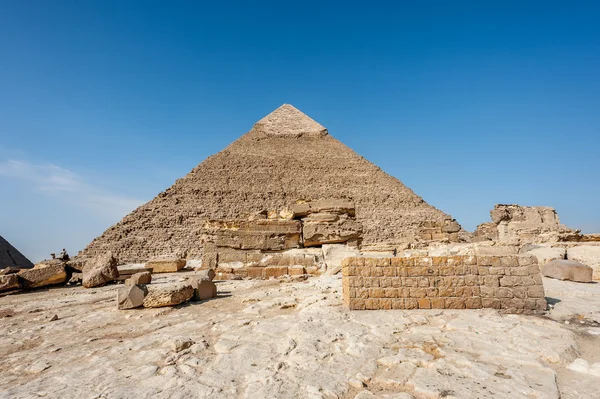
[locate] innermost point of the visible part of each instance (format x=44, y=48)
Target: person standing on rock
x=64, y=255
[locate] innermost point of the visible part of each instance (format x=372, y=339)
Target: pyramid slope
x=10, y=256
x=268, y=172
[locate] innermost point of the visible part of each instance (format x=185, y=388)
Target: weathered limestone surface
x=329, y=228
x=293, y=340
x=487, y=231
x=589, y=255
x=9, y=282
x=49, y=262
x=268, y=171
x=509, y=283
x=165, y=264
x=208, y=274
x=567, y=270
x=337, y=206
x=168, y=295
x=100, y=271
x=11, y=257
x=254, y=234
x=334, y=254
x=34, y=278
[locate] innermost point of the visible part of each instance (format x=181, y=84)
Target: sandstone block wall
x=512, y=284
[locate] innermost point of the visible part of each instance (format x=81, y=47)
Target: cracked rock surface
x=272, y=339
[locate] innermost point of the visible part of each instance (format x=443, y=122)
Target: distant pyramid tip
x=288, y=121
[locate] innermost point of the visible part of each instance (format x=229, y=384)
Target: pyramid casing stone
x=35, y=278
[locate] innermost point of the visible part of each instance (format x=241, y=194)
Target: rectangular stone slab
x=167, y=265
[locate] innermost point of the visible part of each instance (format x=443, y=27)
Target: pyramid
x=285, y=159
x=10, y=257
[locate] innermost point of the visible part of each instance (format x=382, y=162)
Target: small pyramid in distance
x=11, y=257
x=286, y=157
x=289, y=121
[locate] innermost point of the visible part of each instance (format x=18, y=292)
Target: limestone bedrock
x=272, y=339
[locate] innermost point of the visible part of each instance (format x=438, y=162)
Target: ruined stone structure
x=516, y=224
x=263, y=187
x=11, y=257
x=512, y=284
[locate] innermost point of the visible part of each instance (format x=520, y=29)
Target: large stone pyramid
x=287, y=158
x=11, y=257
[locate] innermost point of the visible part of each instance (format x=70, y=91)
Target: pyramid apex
x=289, y=121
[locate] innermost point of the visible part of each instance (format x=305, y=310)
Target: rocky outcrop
x=168, y=295
x=35, y=278
x=11, y=257
x=286, y=158
x=567, y=270
x=100, y=271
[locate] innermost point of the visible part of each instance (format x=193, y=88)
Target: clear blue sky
x=103, y=104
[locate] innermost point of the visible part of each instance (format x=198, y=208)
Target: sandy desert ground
x=273, y=339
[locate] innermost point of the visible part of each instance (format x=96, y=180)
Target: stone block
x=172, y=294
x=568, y=270
x=262, y=234
x=131, y=296
x=165, y=265
x=35, y=278
x=454, y=303
x=100, y=271
x=203, y=289
x=139, y=278
x=424, y=303
x=207, y=274
x=334, y=206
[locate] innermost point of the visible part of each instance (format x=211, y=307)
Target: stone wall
x=512, y=284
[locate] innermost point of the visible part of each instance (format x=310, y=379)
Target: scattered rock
x=168, y=295
x=568, y=270
x=356, y=383
x=54, y=318
x=38, y=367
x=139, y=278
x=203, y=289
x=588, y=255
x=179, y=344
x=51, y=275
x=9, y=282
x=130, y=297
x=100, y=271
x=165, y=264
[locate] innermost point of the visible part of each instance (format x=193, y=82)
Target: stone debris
x=568, y=270
x=9, y=282
x=35, y=278
x=139, y=278
x=100, y=271
x=168, y=294
x=131, y=296
x=588, y=255
x=165, y=264
x=180, y=344
x=546, y=254
x=203, y=288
